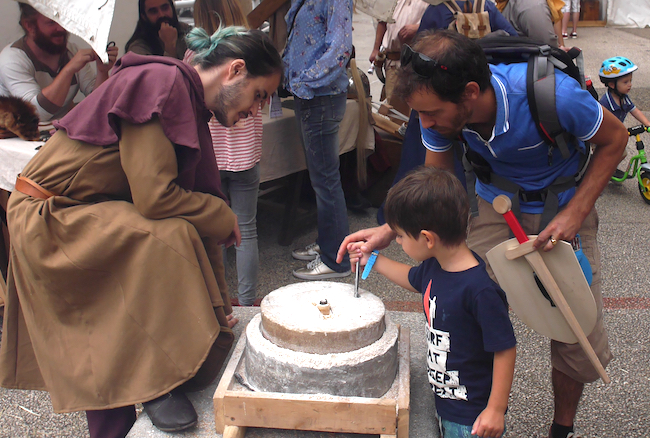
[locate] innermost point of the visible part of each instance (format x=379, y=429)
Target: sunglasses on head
x=421, y=64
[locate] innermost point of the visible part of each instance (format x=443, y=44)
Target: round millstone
x=291, y=318
x=367, y=372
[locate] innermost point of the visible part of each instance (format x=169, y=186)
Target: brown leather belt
x=30, y=188
x=393, y=56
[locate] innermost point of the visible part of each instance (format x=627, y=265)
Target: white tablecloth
x=282, y=152
x=14, y=155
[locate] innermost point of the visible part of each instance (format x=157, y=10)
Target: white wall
x=124, y=21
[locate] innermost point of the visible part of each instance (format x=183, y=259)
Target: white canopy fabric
x=381, y=10
x=88, y=19
x=628, y=13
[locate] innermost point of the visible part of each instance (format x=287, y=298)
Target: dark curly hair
x=463, y=61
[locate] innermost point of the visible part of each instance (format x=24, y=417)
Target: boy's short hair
x=429, y=199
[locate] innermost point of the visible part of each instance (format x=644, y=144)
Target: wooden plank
x=263, y=11
x=310, y=412
x=235, y=410
x=522, y=249
x=404, y=383
x=234, y=432
x=387, y=125
x=545, y=276
x=226, y=383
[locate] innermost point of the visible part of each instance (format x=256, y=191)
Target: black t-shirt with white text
x=466, y=323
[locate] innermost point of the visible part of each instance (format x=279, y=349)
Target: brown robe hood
x=140, y=88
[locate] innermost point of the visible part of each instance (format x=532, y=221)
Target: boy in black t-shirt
x=471, y=344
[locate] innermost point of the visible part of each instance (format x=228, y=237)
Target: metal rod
x=356, y=281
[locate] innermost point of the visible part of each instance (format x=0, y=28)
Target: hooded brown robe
x=115, y=291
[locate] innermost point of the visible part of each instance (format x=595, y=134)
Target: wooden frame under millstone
x=236, y=407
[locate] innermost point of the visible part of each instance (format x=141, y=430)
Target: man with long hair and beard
x=158, y=31
x=47, y=70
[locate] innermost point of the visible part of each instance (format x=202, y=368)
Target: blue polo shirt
x=515, y=150
x=620, y=111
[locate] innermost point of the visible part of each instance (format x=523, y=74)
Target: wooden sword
x=503, y=205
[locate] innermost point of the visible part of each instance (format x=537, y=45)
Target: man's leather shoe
x=172, y=412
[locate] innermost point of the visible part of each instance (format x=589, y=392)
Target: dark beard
x=45, y=44
x=226, y=100
x=459, y=122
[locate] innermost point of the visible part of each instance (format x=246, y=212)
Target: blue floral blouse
x=318, y=48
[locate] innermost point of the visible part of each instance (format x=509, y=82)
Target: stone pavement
x=620, y=409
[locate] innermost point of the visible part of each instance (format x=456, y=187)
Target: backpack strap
x=453, y=7
x=479, y=7
x=476, y=167
x=540, y=86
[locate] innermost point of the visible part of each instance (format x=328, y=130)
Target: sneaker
x=318, y=270
x=571, y=434
x=574, y=35
x=310, y=252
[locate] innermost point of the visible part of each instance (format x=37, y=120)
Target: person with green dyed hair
x=122, y=217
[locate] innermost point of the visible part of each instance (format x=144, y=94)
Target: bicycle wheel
x=644, y=186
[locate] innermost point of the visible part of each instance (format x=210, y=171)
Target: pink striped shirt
x=239, y=147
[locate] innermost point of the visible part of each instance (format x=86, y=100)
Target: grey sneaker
x=310, y=252
x=318, y=270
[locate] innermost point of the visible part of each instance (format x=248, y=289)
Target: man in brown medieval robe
x=116, y=293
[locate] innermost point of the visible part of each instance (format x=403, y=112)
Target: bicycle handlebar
x=636, y=130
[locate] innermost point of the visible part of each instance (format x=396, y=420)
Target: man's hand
x=489, y=424
x=168, y=34
x=80, y=59
x=407, y=33
x=373, y=239
x=564, y=226
x=373, y=55
x=112, y=57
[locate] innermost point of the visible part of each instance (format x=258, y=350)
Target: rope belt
x=30, y=188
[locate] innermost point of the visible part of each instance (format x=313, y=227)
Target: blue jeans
x=449, y=429
x=318, y=121
x=242, y=189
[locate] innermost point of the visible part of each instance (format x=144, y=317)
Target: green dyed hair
x=235, y=42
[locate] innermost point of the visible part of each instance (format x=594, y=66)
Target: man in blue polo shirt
x=448, y=81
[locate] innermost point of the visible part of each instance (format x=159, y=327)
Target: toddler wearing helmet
x=616, y=74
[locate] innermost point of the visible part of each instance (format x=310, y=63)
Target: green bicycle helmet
x=614, y=68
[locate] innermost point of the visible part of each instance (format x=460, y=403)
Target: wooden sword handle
x=503, y=205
